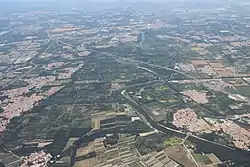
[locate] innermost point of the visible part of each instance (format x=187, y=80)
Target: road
x=142, y=62
x=224, y=152
x=12, y=63
x=93, y=134
x=26, y=73
x=18, y=78
x=151, y=121
x=126, y=60
x=146, y=69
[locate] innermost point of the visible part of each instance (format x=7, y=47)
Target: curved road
x=142, y=62
x=224, y=152
x=234, y=154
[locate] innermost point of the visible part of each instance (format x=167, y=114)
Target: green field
x=244, y=90
x=202, y=159
x=161, y=88
x=172, y=141
x=70, y=143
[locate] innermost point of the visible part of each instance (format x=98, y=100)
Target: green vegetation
x=148, y=97
x=202, y=159
x=162, y=88
x=172, y=141
x=244, y=90
x=79, y=123
x=231, y=90
x=70, y=143
x=1, y=110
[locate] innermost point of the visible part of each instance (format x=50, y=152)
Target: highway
x=152, y=123
x=148, y=117
x=126, y=60
x=146, y=69
x=224, y=152
x=142, y=62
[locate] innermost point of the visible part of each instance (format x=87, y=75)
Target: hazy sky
x=106, y=0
